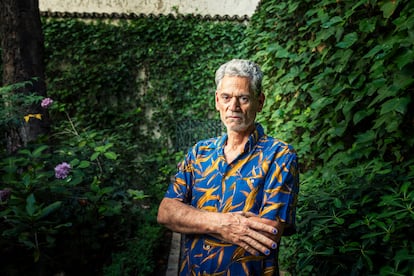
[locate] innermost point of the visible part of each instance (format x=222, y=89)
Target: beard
x=239, y=124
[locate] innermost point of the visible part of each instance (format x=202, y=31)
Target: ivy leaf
x=388, y=8
x=374, y=51
x=395, y=104
x=404, y=59
x=368, y=25
x=278, y=50
x=348, y=40
x=361, y=114
x=334, y=20
x=403, y=79
x=321, y=103
x=367, y=137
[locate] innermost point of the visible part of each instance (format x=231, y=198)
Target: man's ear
x=261, y=101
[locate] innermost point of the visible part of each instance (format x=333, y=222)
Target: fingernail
x=274, y=246
x=267, y=252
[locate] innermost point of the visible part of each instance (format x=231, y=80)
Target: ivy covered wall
x=340, y=88
x=150, y=72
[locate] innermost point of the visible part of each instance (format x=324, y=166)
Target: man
x=234, y=195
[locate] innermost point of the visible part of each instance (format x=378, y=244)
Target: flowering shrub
x=62, y=170
x=46, y=102
x=49, y=208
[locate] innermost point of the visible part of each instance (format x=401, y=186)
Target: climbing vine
x=340, y=89
x=150, y=72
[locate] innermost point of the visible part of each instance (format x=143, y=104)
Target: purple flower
x=62, y=170
x=46, y=102
x=4, y=194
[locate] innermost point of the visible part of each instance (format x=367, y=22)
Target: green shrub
x=138, y=255
x=77, y=208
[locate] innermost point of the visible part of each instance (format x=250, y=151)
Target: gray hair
x=241, y=68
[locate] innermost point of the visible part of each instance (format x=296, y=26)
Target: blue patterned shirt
x=264, y=180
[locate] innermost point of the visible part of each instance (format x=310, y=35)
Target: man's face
x=237, y=105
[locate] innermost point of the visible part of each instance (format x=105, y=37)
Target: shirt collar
x=253, y=139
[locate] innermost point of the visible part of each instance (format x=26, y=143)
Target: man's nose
x=234, y=103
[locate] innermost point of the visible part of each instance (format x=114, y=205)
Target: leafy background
x=120, y=87
x=339, y=83
x=340, y=89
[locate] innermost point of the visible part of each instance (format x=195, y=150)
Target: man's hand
x=248, y=231
x=280, y=226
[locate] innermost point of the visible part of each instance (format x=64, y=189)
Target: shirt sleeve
x=180, y=187
x=281, y=188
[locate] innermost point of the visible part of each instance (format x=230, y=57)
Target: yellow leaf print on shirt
x=285, y=150
x=271, y=207
x=277, y=173
x=213, y=167
x=214, y=255
x=229, y=206
x=250, y=195
x=207, y=196
x=235, y=168
x=250, y=198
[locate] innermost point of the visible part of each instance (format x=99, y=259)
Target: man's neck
x=237, y=140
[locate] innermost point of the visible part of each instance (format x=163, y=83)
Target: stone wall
x=200, y=7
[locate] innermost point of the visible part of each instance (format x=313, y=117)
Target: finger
x=262, y=227
x=249, y=249
x=259, y=247
x=261, y=241
x=249, y=214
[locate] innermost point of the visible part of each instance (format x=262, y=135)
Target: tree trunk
x=23, y=60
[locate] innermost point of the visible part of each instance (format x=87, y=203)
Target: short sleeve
x=281, y=188
x=180, y=187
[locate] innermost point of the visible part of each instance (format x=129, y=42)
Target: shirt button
x=206, y=247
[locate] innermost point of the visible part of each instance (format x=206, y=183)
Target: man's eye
x=225, y=98
x=244, y=99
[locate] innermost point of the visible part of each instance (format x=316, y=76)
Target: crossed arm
x=246, y=230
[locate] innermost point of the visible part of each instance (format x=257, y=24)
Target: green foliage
x=119, y=88
x=130, y=260
x=149, y=72
x=64, y=219
x=359, y=222
x=338, y=78
x=136, y=80
x=13, y=105
x=339, y=88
